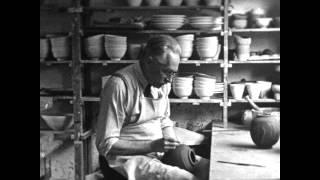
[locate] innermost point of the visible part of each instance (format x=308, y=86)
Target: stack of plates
x=206, y=22
x=167, y=22
x=219, y=88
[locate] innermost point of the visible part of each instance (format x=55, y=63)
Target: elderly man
x=134, y=128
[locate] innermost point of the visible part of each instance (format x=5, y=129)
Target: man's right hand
x=164, y=144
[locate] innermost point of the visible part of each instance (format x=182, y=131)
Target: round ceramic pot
x=265, y=130
x=183, y=157
x=152, y=3
x=239, y=23
x=134, y=3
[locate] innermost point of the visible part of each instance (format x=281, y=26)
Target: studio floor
x=237, y=157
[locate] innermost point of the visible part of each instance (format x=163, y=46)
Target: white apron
x=146, y=127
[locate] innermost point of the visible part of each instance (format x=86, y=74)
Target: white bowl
x=237, y=90
x=276, y=88
x=167, y=26
x=265, y=88
x=254, y=90
x=58, y=122
x=263, y=22
x=182, y=92
x=204, y=93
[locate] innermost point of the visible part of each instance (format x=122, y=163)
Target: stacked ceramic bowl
x=94, y=47
x=115, y=46
x=204, y=86
x=186, y=44
x=208, y=48
x=44, y=49
x=201, y=22
x=61, y=47
x=219, y=88
x=167, y=22
x=182, y=86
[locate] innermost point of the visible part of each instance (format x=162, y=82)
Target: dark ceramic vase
x=265, y=130
x=183, y=157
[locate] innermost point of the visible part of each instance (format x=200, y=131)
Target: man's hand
x=164, y=144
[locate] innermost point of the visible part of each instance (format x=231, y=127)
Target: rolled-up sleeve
x=111, y=115
x=166, y=121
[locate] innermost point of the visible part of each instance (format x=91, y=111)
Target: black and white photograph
x=159, y=89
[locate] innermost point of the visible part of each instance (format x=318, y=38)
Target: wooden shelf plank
x=256, y=30
x=56, y=132
x=267, y=61
x=172, y=100
x=125, y=31
x=127, y=8
x=196, y=101
x=49, y=63
x=135, y=61
x=256, y=101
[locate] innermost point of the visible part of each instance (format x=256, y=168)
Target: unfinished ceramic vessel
x=183, y=157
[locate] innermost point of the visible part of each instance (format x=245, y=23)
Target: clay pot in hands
x=183, y=157
x=44, y=49
x=134, y=3
x=173, y=2
x=153, y=3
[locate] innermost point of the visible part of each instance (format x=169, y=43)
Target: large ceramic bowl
x=237, y=90
x=134, y=3
x=182, y=92
x=153, y=3
x=263, y=22
x=116, y=54
x=265, y=88
x=173, y=2
x=204, y=93
x=239, y=23
x=191, y=2
x=276, y=88
x=94, y=52
x=60, y=47
x=254, y=90
x=44, y=49
x=58, y=122
x=167, y=26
